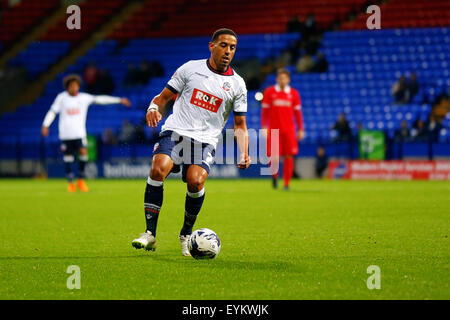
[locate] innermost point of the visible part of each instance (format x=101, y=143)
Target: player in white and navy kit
x=72, y=107
x=208, y=91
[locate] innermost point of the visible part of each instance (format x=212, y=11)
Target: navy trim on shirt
x=228, y=72
x=171, y=89
x=240, y=113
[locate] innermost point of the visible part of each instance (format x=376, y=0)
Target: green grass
x=313, y=242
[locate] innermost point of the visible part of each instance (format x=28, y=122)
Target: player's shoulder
x=193, y=64
x=85, y=98
x=295, y=91
x=269, y=89
x=238, y=79
x=85, y=95
x=62, y=94
x=189, y=68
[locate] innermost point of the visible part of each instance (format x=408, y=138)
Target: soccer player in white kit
x=72, y=107
x=208, y=91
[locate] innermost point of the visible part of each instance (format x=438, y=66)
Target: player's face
x=283, y=80
x=222, y=51
x=73, y=88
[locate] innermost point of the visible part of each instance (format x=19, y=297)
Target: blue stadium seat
x=363, y=67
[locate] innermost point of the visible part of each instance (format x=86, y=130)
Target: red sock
x=288, y=170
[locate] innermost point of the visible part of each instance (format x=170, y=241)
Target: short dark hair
x=69, y=78
x=283, y=71
x=219, y=32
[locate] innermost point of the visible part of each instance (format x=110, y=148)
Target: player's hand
x=44, y=131
x=301, y=135
x=245, y=161
x=125, y=102
x=153, y=117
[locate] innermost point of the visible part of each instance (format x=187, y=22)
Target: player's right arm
x=51, y=115
x=153, y=112
x=299, y=115
x=265, y=107
x=175, y=85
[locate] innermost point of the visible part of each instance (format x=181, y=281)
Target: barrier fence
x=19, y=157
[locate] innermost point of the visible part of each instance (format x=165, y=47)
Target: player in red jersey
x=280, y=105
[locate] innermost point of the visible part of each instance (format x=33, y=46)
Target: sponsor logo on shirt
x=226, y=86
x=205, y=100
x=73, y=111
x=281, y=103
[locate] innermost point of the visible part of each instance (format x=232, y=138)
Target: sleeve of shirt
x=178, y=80
x=265, y=107
x=104, y=99
x=88, y=99
x=265, y=103
x=297, y=101
x=240, y=103
x=298, y=111
x=52, y=112
x=56, y=106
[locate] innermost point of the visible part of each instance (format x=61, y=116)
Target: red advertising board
x=389, y=170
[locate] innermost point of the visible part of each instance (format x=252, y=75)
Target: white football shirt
x=205, y=100
x=73, y=111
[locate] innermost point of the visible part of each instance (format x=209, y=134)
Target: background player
x=208, y=90
x=280, y=105
x=72, y=107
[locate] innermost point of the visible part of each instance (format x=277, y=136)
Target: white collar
x=287, y=89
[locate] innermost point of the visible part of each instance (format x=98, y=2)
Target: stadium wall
x=390, y=170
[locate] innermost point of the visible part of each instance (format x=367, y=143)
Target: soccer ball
x=204, y=244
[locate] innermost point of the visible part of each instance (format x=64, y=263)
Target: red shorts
x=287, y=143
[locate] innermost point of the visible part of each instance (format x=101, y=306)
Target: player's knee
x=195, y=182
x=157, y=173
x=195, y=186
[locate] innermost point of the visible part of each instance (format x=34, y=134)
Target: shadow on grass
x=183, y=262
x=229, y=264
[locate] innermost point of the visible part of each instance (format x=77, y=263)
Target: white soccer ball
x=204, y=244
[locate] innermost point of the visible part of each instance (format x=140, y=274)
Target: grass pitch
x=313, y=242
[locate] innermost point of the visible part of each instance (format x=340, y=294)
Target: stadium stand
x=18, y=19
x=363, y=66
x=39, y=55
x=407, y=14
x=93, y=15
x=149, y=17
x=175, y=18
x=105, y=57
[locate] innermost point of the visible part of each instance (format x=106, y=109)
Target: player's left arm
x=240, y=125
x=265, y=107
x=154, y=115
x=299, y=116
x=51, y=114
x=241, y=134
x=104, y=99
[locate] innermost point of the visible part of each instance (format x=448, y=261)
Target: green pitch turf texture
x=314, y=242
